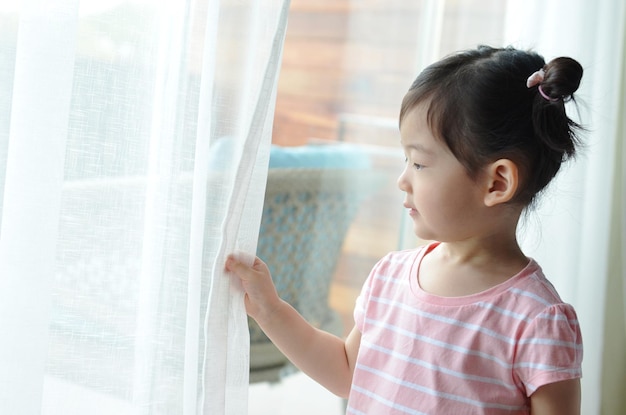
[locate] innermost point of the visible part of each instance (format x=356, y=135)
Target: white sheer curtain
x=117, y=213
x=576, y=232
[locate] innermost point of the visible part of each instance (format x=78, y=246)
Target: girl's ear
x=502, y=180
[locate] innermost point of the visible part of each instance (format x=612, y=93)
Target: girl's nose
x=402, y=181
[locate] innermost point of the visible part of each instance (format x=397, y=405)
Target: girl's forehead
x=416, y=134
x=418, y=112
x=415, y=121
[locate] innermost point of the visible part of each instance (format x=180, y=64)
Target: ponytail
x=552, y=126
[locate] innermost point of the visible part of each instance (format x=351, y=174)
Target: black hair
x=480, y=106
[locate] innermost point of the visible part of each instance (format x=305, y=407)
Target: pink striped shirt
x=479, y=354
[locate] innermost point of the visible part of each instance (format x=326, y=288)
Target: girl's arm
x=326, y=358
x=559, y=398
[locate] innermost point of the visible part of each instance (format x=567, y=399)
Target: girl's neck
x=455, y=269
x=481, y=252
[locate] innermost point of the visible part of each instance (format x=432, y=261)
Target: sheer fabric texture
x=116, y=213
x=575, y=232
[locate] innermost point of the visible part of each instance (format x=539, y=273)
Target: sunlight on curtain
x=117, y=209
x=574, y=223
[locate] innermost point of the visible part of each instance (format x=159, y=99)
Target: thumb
x=240, y=268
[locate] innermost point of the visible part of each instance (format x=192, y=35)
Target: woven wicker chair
x=306, y=215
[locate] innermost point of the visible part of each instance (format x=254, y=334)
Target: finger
x=239, y=268
x=233, y=264
x=259, y=264
x=230, y=262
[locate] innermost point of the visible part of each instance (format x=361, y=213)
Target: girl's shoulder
x=531, y=294
x=395, y=265
x=531, y=282
x=400, y=262
x=409, y=255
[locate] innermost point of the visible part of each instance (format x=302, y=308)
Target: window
x=346, y=66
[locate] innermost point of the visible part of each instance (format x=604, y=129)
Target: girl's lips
x=412, y=210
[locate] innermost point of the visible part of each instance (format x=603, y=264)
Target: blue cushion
x=334, y=156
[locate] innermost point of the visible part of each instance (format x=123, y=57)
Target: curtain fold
x=573, y=226
x=31, y=198
x=117, y=207
x=249, y=151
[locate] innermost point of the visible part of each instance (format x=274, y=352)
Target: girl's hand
x=261, y=298
x=323, y=356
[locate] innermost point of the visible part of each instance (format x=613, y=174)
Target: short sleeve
x=362, y=300
x=550, y=348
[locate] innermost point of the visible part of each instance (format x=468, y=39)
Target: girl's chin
x=420, y=232
x=423, y=232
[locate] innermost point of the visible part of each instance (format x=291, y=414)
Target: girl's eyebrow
x=418, y=147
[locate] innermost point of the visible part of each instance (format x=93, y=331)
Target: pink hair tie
x=546, y=96
x=536, y=79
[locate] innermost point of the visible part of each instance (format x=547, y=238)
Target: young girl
x=467, y=324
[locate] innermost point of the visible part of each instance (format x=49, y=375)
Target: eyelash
x=417, y=166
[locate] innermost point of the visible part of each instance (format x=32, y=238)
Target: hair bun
x=562, y=78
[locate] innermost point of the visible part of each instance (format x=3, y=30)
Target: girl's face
x=444, y=202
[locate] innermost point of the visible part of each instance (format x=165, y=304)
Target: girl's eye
x=416, y=166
